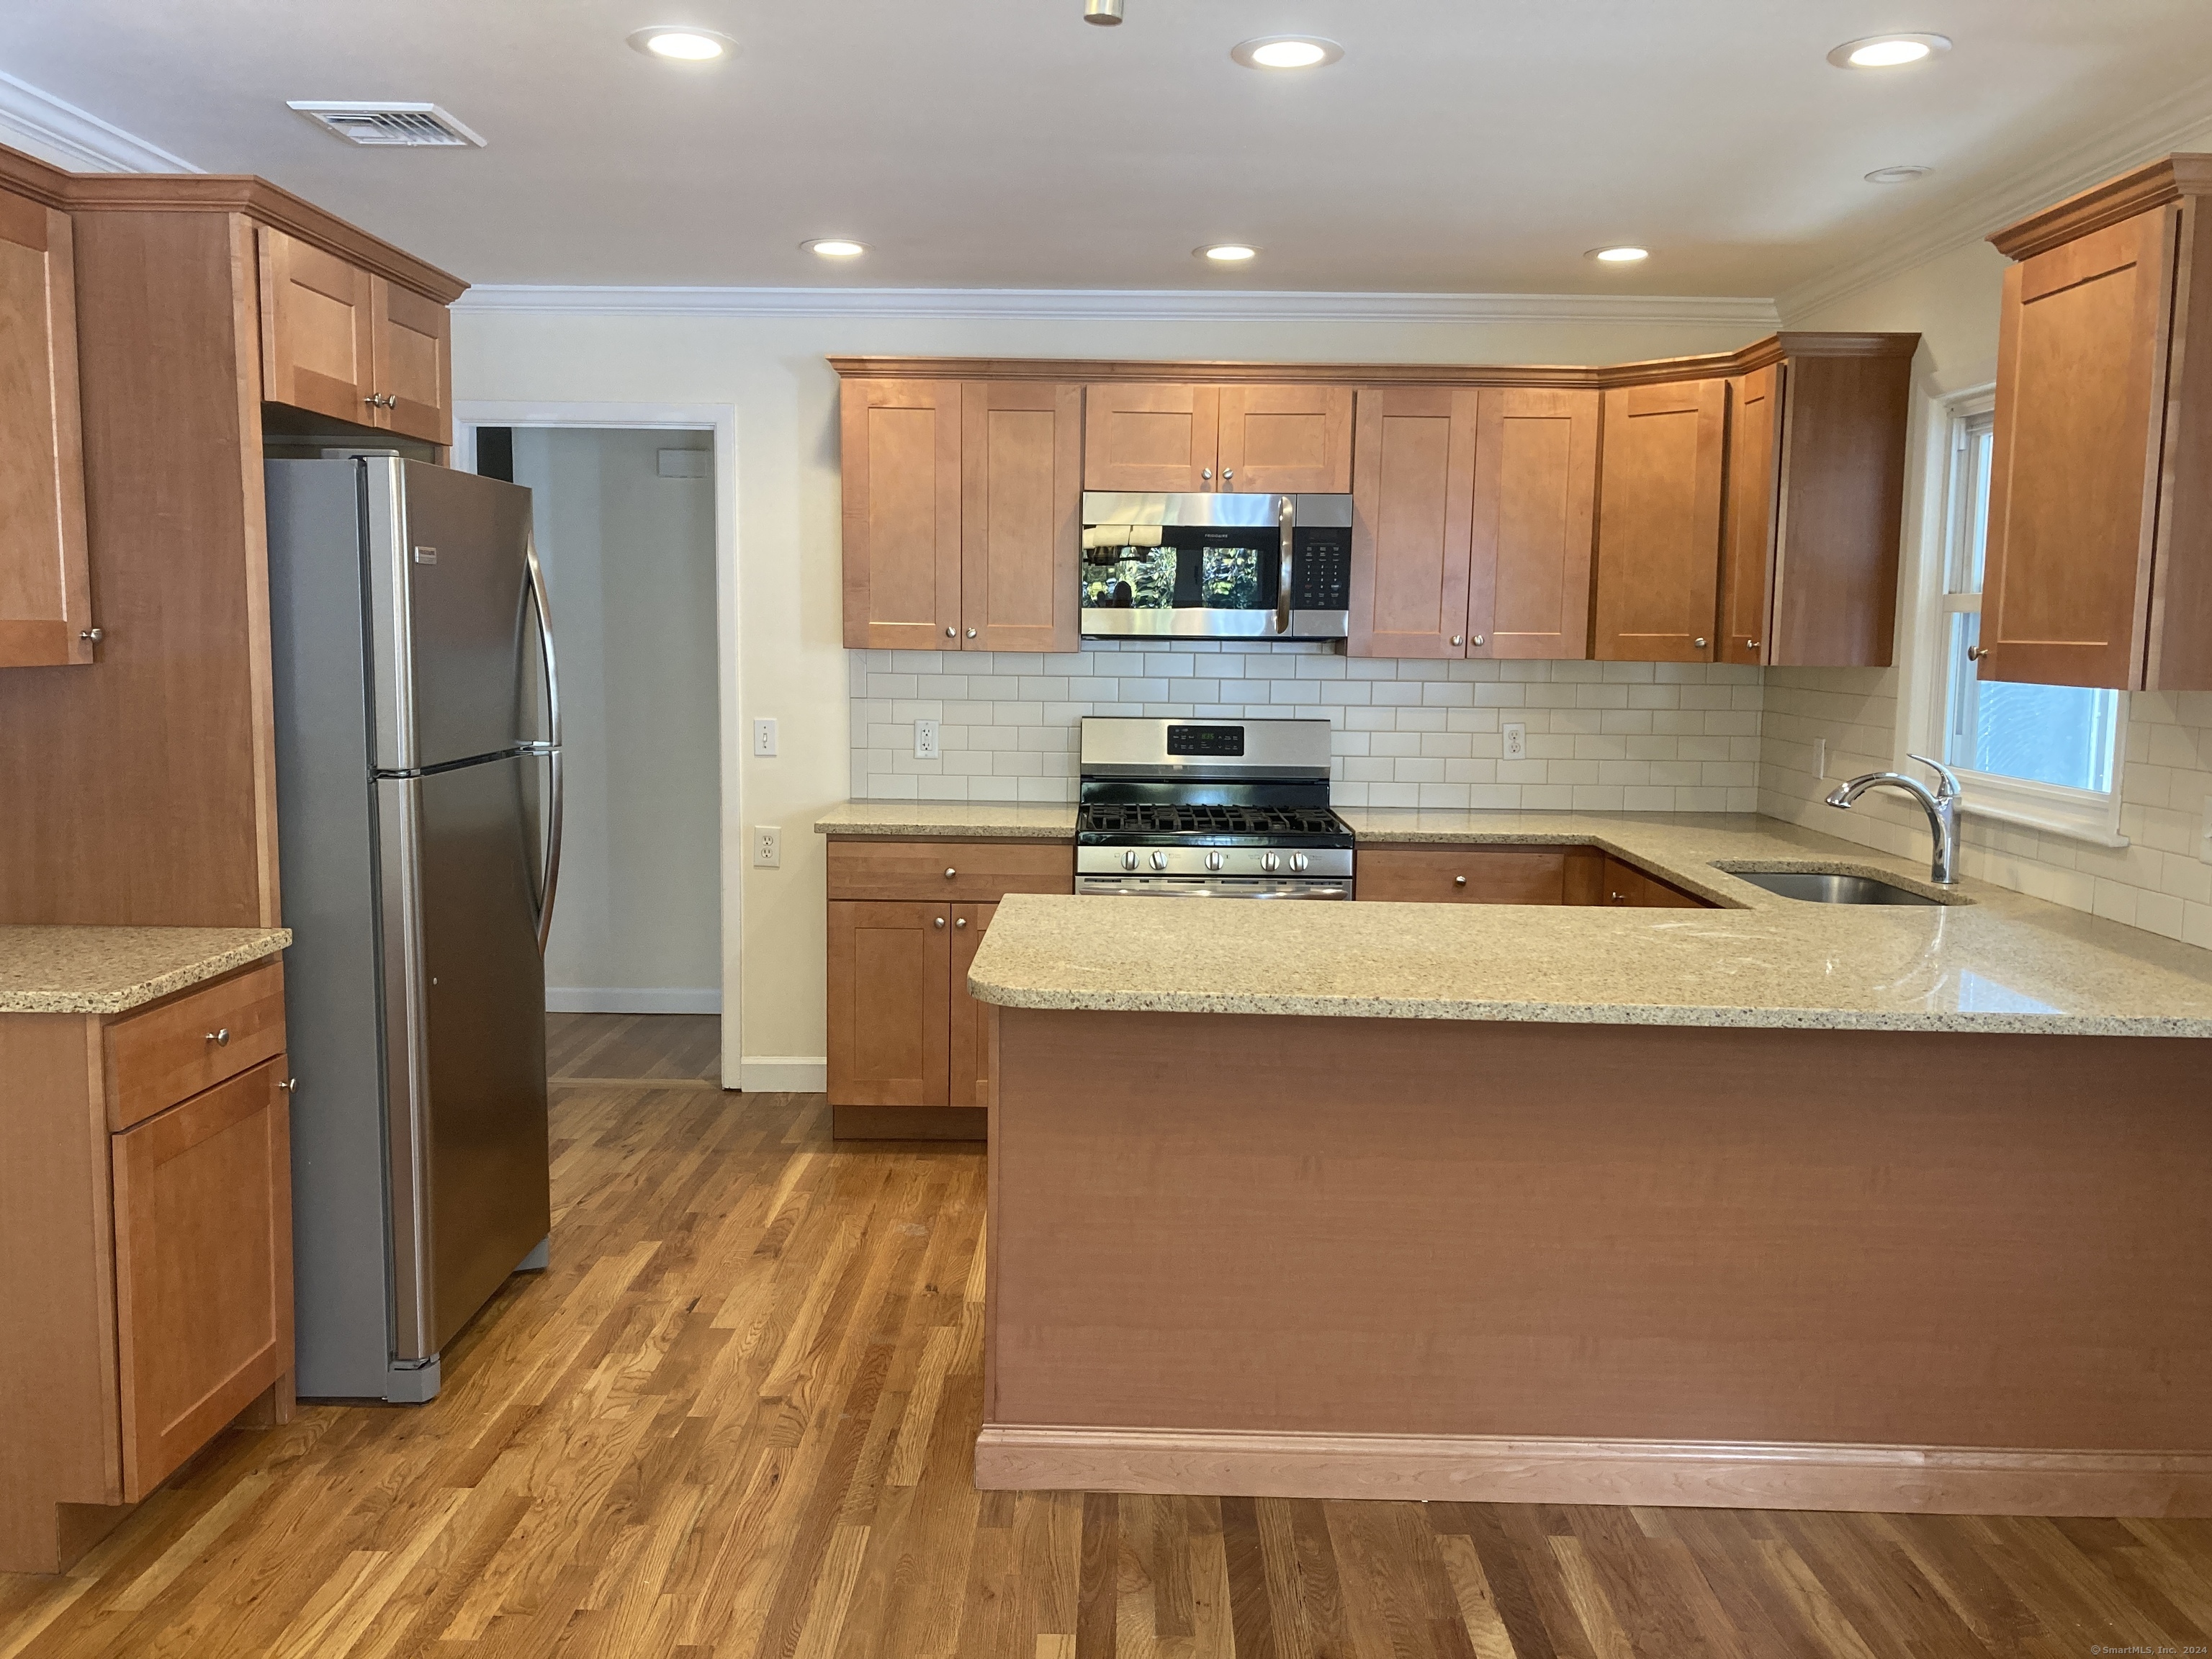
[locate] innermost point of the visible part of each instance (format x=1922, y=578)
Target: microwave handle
x=1286, y=516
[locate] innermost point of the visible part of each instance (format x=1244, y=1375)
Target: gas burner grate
x=1156, y=819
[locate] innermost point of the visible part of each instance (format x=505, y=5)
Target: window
x=2045, y=755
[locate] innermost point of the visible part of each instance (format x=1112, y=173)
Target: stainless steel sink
x=1815, y=888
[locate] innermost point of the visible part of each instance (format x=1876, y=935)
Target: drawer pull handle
x=221, y=1038
x=940, y=921
x=1459, y=881
x=949, y=874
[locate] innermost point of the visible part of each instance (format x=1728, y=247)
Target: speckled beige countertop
x=955, y=820
x=108, y=970
x=1991, y=960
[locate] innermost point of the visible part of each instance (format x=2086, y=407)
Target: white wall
x=2158, y=881
x=630, y=570
x=770, y=369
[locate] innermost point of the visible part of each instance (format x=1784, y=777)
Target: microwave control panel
x=1321, y=568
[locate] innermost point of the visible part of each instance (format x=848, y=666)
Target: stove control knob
x=1213, y=861
x=1129, y=860
x=1270, y=863
x=1159, y=860
x=1298, y=862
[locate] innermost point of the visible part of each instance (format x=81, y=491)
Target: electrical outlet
x=1516, y=740
x=767, y=846
x=763, y=740
x=1821, y=758
x=925, y=740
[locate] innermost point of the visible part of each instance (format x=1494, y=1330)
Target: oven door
x=1216, y=567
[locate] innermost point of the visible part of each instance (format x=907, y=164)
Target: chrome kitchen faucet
x=1941, y=804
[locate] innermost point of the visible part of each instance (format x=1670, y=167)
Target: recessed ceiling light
x=682, y=44
x=835, y=248
x=1888, y=51
x=1898, y=175
x=1623, y=255
x=1287, y=51
x=1227, y=253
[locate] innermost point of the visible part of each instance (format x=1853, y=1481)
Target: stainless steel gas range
x=1209, y=809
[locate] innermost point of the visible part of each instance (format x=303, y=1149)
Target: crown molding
x=2154, y=131
x=75, y=138
x=1125, y=305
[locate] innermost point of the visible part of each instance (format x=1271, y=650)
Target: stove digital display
x=1206, y=740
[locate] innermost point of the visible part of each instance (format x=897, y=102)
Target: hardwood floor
x=735, y=1417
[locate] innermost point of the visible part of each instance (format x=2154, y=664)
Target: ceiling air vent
x=373, y=123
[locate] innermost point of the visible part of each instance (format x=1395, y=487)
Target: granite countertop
x=109, y=970
x=1987, y=960
x=951, y=820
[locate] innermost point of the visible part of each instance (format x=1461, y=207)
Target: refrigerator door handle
x=551, y=749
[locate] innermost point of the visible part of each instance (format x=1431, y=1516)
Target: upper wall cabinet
x=1185, y=438
x=963, y=514
x=1815, y=491
x=1659, y=521
x=1472, y=521
x=2099, y=559
x=340, y=341
x=46, y=588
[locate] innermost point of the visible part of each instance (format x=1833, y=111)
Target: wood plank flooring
x=735, y=1419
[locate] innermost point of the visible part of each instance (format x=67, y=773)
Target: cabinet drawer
x=970, y=871
x=1462, y=875
x=159, y=1056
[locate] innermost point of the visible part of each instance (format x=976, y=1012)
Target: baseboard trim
x=625, y=1000
x=783, y=1074
x=1493, y=1469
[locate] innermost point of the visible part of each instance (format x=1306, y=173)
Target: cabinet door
x=1627, y=886
x=971, y=1050
x=318, y=330
x=203, y=1268
x=1754, y=489
x=1659, y=521
x=1412, y=494
x=1463, y=875
x=1535, y=495
x=1021, y=460
x=411, y=363
x=1286, y=439
x=889, y=1019
x=1150, y=437
x=2074, y=481
x=45, y=591
x=901, y=472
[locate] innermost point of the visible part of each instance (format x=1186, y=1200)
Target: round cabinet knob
x=1976, y=652
x=1459, y=881
x=94, y=634
x=1129, y=860
x=1752, y=645
x=971, y=633
x=289, y=1086
x=1481, y=639
x=952, y=633
x=1298, y=862
x=940, y=921
x=1226, y=475
x=1159, y=860
x=1205, y=472
x=1700, y=644
x=1616, y=898
x=1270, y=863
x=949, y=874
x=960, y=922
x=1459, y=638
x=221, y=1038
x=1214, y=861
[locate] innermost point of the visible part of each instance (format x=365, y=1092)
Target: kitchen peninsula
x=1768, y=1203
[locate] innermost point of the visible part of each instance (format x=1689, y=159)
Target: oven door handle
x=1286, y=516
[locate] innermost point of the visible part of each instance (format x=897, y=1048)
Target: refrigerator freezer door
x=453, y=629
x=464, y=996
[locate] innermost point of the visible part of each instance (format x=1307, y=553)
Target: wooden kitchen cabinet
x=1627, y=886
x=1535, y=498
x=1659, y=521
x=2100, y=547
x=145, y=1251
x=1493, y=874
x=1185, y=438
x=411, y=364
x=1754, y=486
x=909, y=1048
x=339, y=341
x=1413, y=506
x=45, y=585
x=963, y=505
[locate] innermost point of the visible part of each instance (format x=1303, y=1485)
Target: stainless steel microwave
x=1219, y=566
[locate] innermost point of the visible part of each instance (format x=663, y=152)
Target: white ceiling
x=1460, y=146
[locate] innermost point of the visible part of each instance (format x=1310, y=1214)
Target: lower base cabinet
x=1511, y=875
x=145, y=1251
x=909, y=1049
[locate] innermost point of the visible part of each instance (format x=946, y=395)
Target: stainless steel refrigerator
x=418, y=798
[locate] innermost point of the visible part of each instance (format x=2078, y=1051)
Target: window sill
x=2073, y=827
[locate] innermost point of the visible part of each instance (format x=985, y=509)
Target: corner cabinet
x=145, y=1250
x=2100, y=553
x=962, y=514
x=908, y=1047
x=45, y=584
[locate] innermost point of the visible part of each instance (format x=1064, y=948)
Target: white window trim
x=2074, y=814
